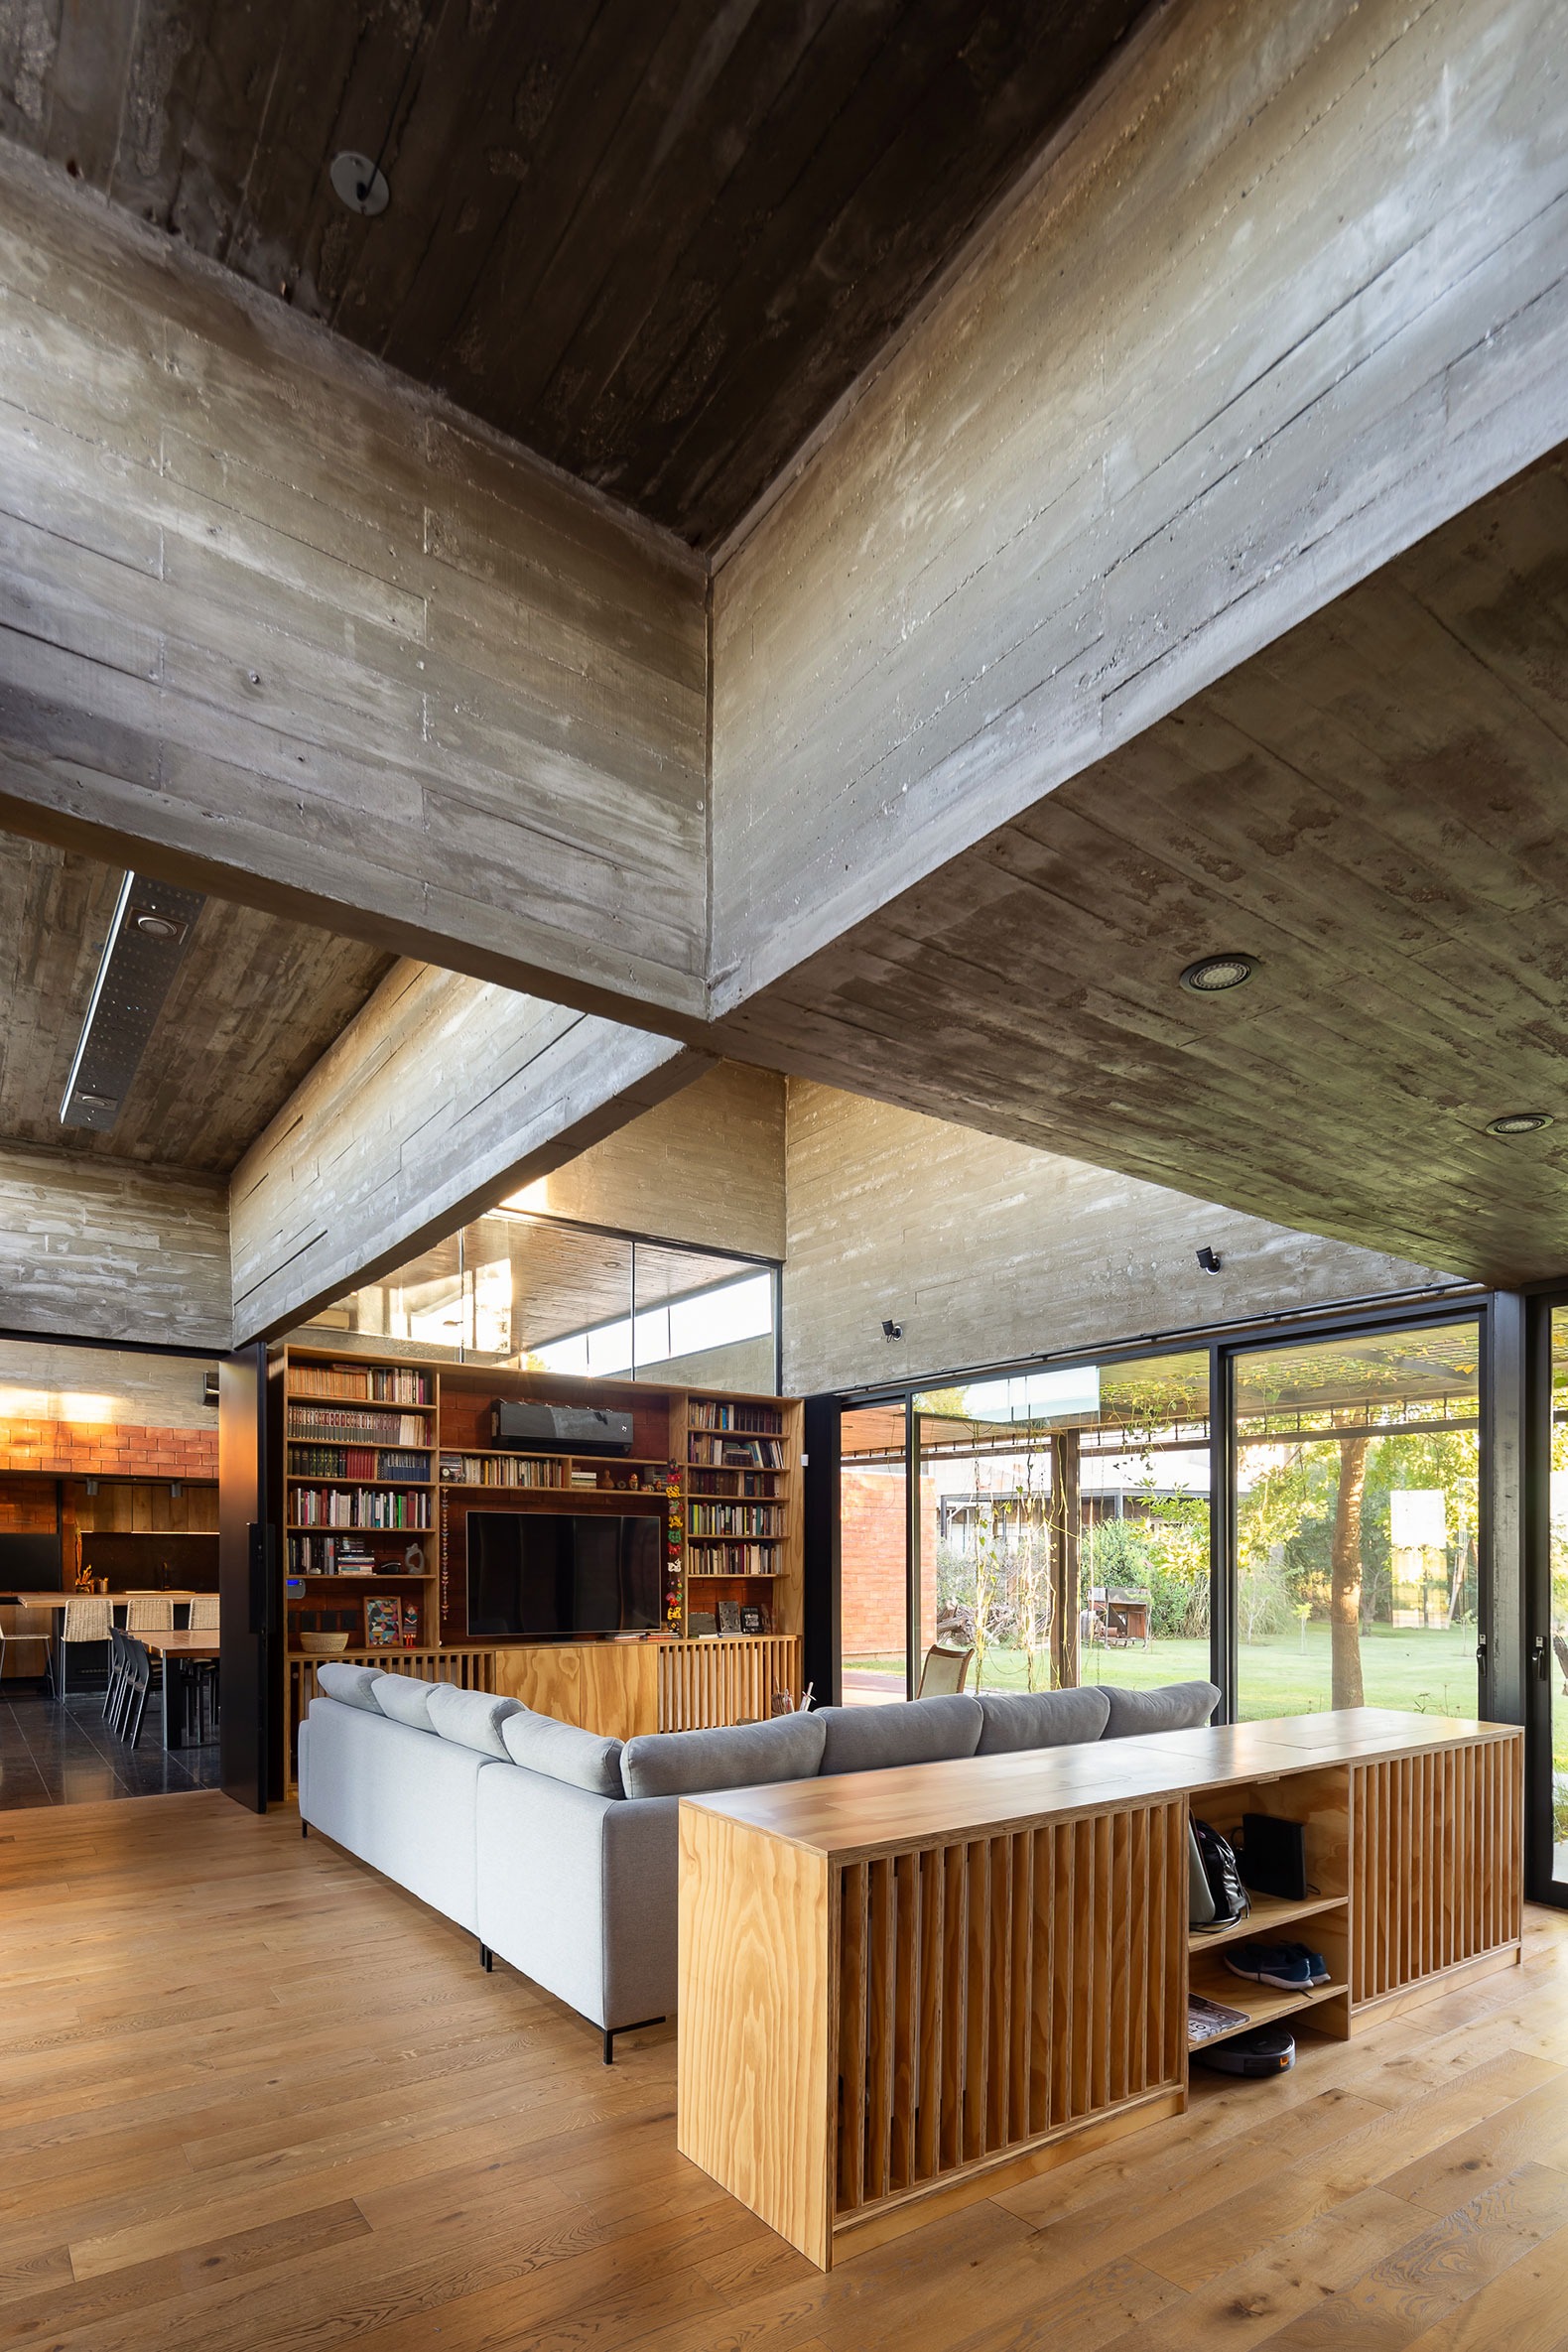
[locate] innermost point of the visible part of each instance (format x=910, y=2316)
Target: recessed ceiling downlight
x=154, y=926
x=1211, y=975
x=1520, y=1122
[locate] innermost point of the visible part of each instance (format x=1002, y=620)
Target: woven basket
x=323, y=1645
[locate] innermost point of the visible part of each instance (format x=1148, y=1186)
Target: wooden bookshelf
x=718, y=1471
x=359, y=1446
x=741, y=1506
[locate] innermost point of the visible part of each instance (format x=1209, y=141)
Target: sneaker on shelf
x=1271, y=1964
x=1315, y=1961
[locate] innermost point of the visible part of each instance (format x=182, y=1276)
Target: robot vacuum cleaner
x=1267, y=2049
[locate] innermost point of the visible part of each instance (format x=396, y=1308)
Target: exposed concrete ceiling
x=1377, y=808
x=255, y=1002
x=655, y=239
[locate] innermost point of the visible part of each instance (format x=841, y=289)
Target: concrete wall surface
x=986, y=1251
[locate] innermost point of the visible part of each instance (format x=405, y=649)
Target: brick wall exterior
x=108, y=1449
x=871, y=1538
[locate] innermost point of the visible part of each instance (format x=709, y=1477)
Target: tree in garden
x=1345, y=1589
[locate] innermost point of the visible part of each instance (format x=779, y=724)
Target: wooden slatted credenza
x=901, y=1990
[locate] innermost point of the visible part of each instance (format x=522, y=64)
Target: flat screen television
x=550, y=1575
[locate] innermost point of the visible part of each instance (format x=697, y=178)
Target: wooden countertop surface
x=861, y=1813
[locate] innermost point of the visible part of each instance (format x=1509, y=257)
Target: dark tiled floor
x=56, y=1752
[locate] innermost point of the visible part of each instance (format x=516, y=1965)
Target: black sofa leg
x=305, y=1829
x=486, y=1958
x=610, y=2032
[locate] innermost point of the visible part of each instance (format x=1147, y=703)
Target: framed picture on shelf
x=754, y=1617
x=383, y=1621
x=729, y=1617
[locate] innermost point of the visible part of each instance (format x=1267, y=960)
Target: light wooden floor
x=252, y=2096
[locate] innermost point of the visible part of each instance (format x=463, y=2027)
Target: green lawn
x=1432, y=1671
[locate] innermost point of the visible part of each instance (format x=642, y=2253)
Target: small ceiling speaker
x=359, y=183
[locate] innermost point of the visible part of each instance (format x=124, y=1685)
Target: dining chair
x=22, y=1633
x=149, y=1613
x=204, y=1613
x=115, y=1687
x=88, y=1618
x=138, y=1681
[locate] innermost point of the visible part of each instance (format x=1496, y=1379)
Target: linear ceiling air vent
x=151, y=929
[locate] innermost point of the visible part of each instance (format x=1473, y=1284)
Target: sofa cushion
x=1017, y=1719
x=1173, y=1707
x=919, y=1730
x=742, y=1756
x=471, y=1718
x=564, y=1752
x=351, y=1686
x=405, y=1699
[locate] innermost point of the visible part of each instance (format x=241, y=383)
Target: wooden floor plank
x=252, y=2099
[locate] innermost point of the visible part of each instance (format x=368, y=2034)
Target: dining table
x=60, y=1601
x=179, y=1650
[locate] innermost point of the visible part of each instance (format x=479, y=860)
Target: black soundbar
x=521, y=1428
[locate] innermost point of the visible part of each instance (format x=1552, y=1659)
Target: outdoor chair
x=943, y=1671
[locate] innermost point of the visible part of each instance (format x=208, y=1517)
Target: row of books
x=357, y=1507
x=735, y=1453
x=763, y=1483
x=736, y=1518
x=334, y=1555
x=760, y=1420
x=716, y=1558
x=388, y=1429
x=373, y=1383
x=357, y=1462
x=514, y=1470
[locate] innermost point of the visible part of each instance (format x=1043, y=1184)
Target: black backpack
x=1218, y=1856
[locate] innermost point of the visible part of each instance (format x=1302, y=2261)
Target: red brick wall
x=107, y=1449
x=872, y=1539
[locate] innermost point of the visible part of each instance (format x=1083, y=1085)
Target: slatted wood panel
x=719, y=1680
x=996, y=1991
x=1436, y=1862
x=470, y=1669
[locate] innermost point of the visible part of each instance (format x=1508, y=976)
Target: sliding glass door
x=1065, y=1523
x=1355, y=1516
x=874, y=1554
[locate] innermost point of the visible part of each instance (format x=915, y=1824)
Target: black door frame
x=1538, y=1661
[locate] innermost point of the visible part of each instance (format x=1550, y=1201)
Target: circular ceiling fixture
x=159, y=926
x=1211, y=975
x=359, y=183
x=1520, y=1122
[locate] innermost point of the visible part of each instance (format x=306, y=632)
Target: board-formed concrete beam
x=441, y=1096
x=1291, y=292
x=276, y=622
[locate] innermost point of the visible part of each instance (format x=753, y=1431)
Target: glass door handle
x=1538, y=1656
x=1481, y=1655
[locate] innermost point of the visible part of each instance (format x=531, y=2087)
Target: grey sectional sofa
x=557, y=1847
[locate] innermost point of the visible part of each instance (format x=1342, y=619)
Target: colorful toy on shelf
x=675, y=1548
